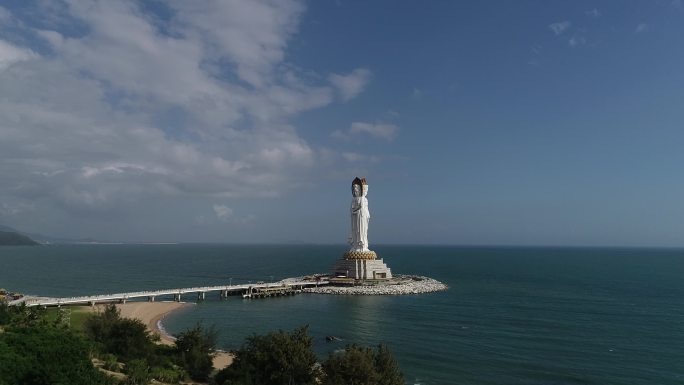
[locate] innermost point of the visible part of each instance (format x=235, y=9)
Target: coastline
x=152, y=315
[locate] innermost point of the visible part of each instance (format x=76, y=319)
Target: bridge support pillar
x=223, y=293
x=177, y=297
x=92, y=303
x=122, y=300
x=201, y=296
x=150, y=298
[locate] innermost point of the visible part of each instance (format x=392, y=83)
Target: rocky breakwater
x=400, y=285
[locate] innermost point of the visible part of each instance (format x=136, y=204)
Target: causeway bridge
x=246, y=290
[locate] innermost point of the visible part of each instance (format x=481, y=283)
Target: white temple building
x=360, y=262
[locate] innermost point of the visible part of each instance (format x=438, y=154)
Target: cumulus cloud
x=384, y=131
x=125, y=105
x=223, y=212
x=350, y=85
x=251, y=34
x=379, y=130
x=642, y=27
x=560, y=27
x=10, y=54
x=594, y=13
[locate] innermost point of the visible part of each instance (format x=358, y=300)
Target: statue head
x=356, y=190
x=359, y=187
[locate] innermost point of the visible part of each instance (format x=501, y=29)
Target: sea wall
x=402, y=285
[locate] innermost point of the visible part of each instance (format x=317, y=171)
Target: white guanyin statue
x=359, y=216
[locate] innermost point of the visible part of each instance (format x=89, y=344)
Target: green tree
x=99, y=325
x=196, y=348
x=23, y=316
x=355, y=366
x=138, y=372
x=5, y=314
x=362, y=366
x=46, y=356
x=387, y=367
x=127, y=338
x=277, y=358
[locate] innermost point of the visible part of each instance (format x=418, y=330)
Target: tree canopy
x=126, y=338
x=277, y=358
x=196, y=349
x=282, y=358
x=362, y=366
x=46, y=356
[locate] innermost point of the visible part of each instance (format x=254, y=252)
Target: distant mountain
x=46, y=239
x=10, y=238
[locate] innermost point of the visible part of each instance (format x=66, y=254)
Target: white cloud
x=594, y=13
x=10, y=54
x=560, y=27
x=642, y=27
x=417, y=93
x=54, y=38
x=577, y=41
x=358, y=158
x=87, y=127
x=384, y=131
x=379, y=130
x=223, y=212
x=251, y=34
x=340, y=135
x=349, y=86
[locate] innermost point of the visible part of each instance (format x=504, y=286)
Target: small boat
x=331, y=338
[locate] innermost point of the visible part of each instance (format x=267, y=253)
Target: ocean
x=512, y=315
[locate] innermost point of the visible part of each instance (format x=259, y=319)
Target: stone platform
x=398, y=285
x=361, y=265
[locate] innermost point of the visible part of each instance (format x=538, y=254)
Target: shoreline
x=400, y=285
x=152, y=314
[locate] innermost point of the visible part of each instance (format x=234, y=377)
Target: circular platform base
x=367, y=255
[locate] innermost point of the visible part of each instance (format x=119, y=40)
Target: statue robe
x=359, y=224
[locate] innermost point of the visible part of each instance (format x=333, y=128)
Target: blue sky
x=479, y=122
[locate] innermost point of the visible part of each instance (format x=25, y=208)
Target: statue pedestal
x=361, y=265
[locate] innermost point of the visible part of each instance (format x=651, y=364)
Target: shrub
x=196, y=349
x=138, y=372
x=362, y=366
x=277, y=358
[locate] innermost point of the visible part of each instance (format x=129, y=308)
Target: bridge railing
x=153, y=293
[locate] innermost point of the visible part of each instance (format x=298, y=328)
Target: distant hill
x=9, y=238
x=46, y=239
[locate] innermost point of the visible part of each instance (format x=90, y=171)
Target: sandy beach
x=152, y=313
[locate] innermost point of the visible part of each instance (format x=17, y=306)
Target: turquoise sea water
x=511, y=316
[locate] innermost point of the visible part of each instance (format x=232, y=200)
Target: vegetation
x=138, y=372
x=362, y=366
x=43, y=348
x=196, y=348
x=282, y=358
x=9, y=238
x=278, y=358
x=33, y=351
x=126, y=338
